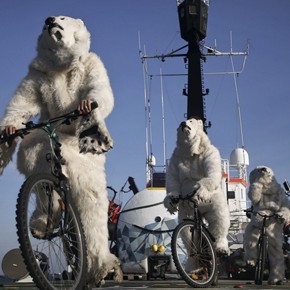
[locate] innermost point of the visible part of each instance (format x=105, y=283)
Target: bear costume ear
x=201, y=141
x=82, y=34
x=200, y=124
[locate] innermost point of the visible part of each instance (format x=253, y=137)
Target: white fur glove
x=283, y=216
x=6, y=153
x=171, y=206
x=202, y=194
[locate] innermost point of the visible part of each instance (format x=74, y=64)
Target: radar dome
x=239, y=158
x=151, y=160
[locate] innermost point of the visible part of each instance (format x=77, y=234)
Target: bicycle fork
x=261, y=256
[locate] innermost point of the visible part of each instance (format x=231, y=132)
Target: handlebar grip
x=190, y=195
x=76, y=112
x=175, y=200
x=286, y=185
x=94, y=105
x=9, y=138
x=3, y=137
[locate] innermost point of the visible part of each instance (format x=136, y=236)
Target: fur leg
x=218, y=220
x=90, y=196
x=275, y=253
x=39, y=219
x=221, y=246
x=251, y=238
x=111, y=264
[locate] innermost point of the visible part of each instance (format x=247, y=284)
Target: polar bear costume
x=196, y=164
x=267, y=197
x=62, y=75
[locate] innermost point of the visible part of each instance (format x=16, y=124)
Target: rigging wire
x=237, y=98
x=163, y=120
x=149, y=116
x=145, y=107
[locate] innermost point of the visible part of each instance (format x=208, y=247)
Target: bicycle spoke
x=51, y=234
x=193, y=255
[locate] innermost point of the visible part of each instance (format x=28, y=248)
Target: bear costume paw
x=202, y=195
x=95, y=140
x=169, y=204
x=6, y=152
x=93, y=134
x=251, y=263
x=276, y=282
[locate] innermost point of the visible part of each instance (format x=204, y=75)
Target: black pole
x=195, y=104
x=193, y=23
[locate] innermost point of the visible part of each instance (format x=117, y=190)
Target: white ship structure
x=145, y=227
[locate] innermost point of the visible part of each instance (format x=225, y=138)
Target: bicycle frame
x=56, y=160
x=198, y=223
x=261, y=254
x=196, y=215
x=192, y=238
x=261, y=246
x=47, y=219
x=56, y=169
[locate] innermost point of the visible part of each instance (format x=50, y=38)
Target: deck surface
x=161, y=284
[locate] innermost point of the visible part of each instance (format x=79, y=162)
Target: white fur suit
x=196, y=164
x=267, y=197
x=62, y=75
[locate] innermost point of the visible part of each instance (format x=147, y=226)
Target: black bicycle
x=261, y=246
x=54, y=247
x=192, y=249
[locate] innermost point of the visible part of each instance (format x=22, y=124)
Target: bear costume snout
x=49, y=21
x=264, y=169
x=53, y=28
x=183, y=125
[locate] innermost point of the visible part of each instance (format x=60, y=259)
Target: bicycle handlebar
x=187, y=197
x=262, y=215
x=29, y=126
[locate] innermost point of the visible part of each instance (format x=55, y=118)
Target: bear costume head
x=191, y=138
x=264, y=176
x=63, y=43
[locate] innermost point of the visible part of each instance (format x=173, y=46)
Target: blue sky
x=114, y=26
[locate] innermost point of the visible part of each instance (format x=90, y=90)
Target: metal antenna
x=237, y=96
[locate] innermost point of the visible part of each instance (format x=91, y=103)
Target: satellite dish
x=13, y=265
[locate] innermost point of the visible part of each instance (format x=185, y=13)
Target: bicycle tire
x=260, y=265
x=198, y=269
x=54, y=263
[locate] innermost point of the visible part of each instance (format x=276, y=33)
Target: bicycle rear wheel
x=51, y=235
x=260, y=265
x=193, y=255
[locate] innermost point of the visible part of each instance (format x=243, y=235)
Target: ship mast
x=193, y=16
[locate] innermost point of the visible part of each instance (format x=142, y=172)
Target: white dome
x=151, y=160
x=239, y=157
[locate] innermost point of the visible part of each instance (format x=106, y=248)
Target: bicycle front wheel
x=193, y=255
x=51, y=235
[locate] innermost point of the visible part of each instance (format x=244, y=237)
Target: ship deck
x=162, y=284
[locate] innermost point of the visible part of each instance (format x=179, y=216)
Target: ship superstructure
x=145, y=227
